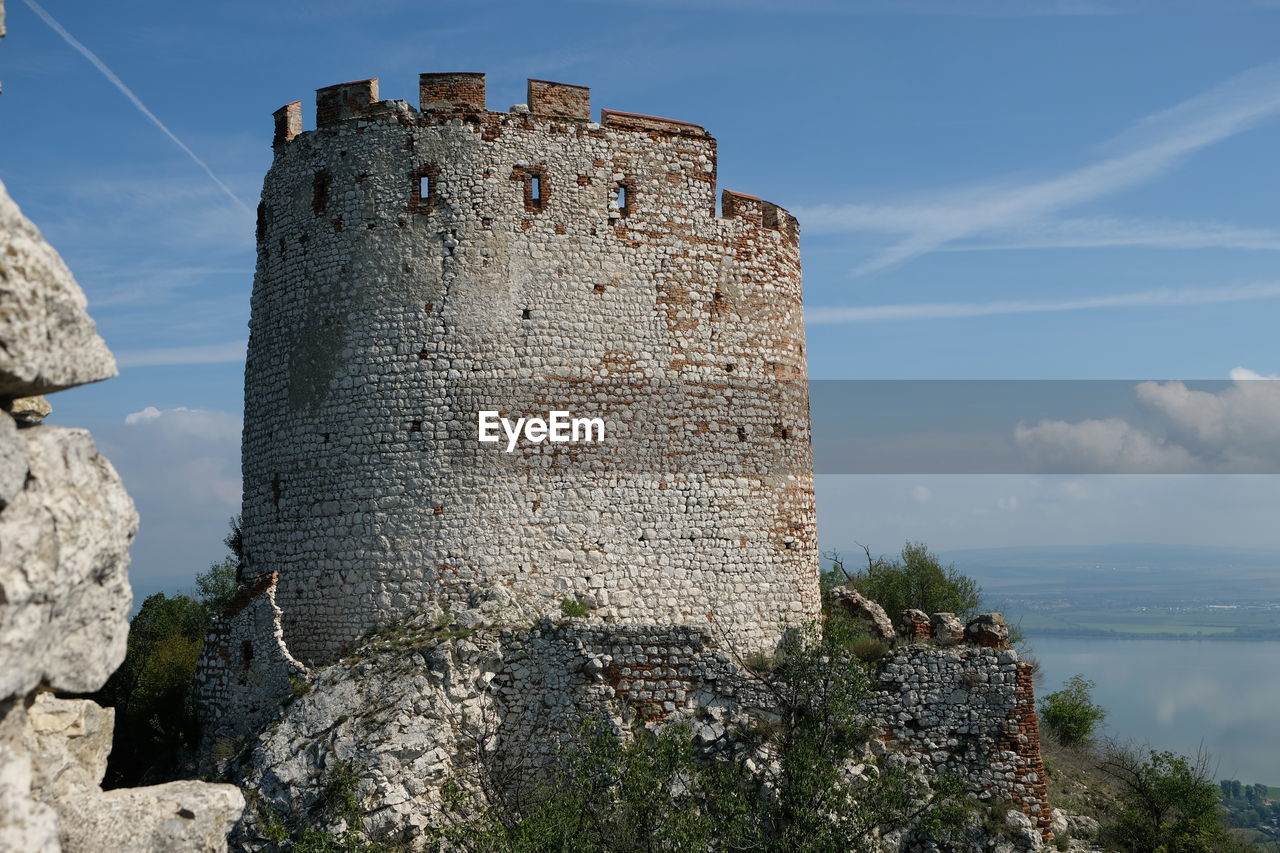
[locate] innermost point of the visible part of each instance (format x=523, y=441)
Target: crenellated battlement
x=560, y=110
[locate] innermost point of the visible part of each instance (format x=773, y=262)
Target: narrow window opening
x=535, y=189
x=320, y=192
x=525, y=314
x=246, y=653
x=424, y=187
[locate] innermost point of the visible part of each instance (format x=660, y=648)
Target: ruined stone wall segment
x=344, y=101
x=459, y=90
x=245, y=670
x=288, y=123
x=970, y=711
x=559, y=99
x=406, y=268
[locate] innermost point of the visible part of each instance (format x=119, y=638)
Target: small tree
x=216, y=587
x=1168, y=804
x=1070, y=714
x=917, y=579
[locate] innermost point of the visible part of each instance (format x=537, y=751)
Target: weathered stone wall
x=245, y=670
x=456, y=699
x=966, y=709
x=417, y=266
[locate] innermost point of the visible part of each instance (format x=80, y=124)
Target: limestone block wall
x=416, y=266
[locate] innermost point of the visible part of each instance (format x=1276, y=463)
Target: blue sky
x=1032, y=189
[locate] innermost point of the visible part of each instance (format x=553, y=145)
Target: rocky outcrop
x=66, y=523
x=177, y=817
x=50, y=342
x=64, y=540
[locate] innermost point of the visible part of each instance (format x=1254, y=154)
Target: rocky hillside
x=66, y=523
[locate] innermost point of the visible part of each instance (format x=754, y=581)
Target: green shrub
x=869, y=649
x=659, y=791
x=573, y=607
x=1070, y=714
x=1168, y=804
x=917, y=579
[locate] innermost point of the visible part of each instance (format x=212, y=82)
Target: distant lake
x=1181, y=694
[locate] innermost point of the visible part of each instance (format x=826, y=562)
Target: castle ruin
x=418, y=266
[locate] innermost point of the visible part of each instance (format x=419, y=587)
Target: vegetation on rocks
x=155, y=727
x=916, y=579
x=796, y=781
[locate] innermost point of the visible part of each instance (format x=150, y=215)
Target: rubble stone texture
x=452, y=698
x=49, y=340
x=968, y=711
x=416, y=266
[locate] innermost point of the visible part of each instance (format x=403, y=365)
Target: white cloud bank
x=182, y=469
x=1232, y=431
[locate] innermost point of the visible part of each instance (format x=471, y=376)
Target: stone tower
x=418, y=266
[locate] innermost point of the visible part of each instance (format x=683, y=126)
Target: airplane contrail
x=137, y=102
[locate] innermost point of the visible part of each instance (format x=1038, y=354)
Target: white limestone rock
x=64, y=557
x=26, y=826
x=47, y=339
x=69, y=740
x=13, y=460
x=177, y=817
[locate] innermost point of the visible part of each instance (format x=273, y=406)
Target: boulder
x=47, y=339
x=64, y=589
x=13, y=460
x=69, y=740
x=29, y=411
x=865, y=611
x=914, y=625
x=947, y=629
x=988, y=630
x=177, y=817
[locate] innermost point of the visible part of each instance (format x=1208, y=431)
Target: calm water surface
x=1180, y=695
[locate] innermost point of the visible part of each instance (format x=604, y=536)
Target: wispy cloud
x=955, y=310
x=135, y=100
x=966, y=8
x=1149, y=149
x=229, y=352
x=1106, y=231
x=1081, y=232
